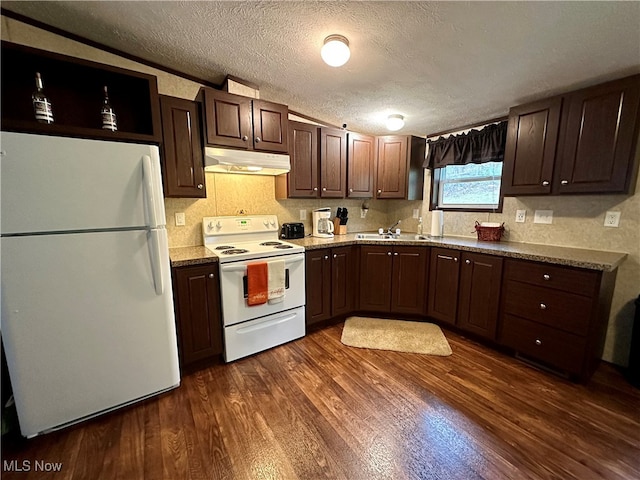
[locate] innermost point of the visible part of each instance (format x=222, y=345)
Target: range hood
x=225, y=160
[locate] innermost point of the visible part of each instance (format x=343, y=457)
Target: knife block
x=337, y=228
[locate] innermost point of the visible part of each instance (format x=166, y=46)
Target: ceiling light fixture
x=395, y=122
x=335, y=51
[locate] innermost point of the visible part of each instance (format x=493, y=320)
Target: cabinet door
x=360, y=165
x=375, y=278
x=182, y=162
x=444, y=270
x=532, y=136
x=479, y=296
x=318, y=285
x=303, y=150
x=227, y=119
x=199, y=321
x=391, y=177
x=270, y=126
x=599, y=134
x=409, y=293
x=333, y=163
x=342, y=280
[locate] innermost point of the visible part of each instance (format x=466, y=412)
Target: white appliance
x=87, y=308
x=226, y=160
x=322, y=224
x=238, y=242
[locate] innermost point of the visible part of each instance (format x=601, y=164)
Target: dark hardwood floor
x=315, y=408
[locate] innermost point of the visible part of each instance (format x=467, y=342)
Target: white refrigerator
x=87, y=316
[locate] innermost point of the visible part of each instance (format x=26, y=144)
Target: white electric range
x=238, y=242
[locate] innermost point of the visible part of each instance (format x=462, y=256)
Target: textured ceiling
x=440, y=64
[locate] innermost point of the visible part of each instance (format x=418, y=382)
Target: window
x=468, y=187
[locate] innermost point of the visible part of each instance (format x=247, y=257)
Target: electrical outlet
x=416, y=213
x=303, y=214
x=543, y=216
x=612, y=219
x=363, y=212
x=180, y=219
x=520, y=216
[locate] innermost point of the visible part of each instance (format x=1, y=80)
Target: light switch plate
x=180, y=219
x=303, y=214
x=543, y=216
x=416, y=213
x=612, y=219
x=521, y=215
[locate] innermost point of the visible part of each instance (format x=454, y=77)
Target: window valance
x=476, y=146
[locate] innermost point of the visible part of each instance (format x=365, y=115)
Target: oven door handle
x=267, y=324
x=243, y=267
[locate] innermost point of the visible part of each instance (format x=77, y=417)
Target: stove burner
x=282, y=247
x=224, y=247
x=270, y=244
x=235, y=251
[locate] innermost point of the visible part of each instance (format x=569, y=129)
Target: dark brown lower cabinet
x=444, y=272
x=197, y=296
x=393, y=279
x=479, y=293
x=330, y=283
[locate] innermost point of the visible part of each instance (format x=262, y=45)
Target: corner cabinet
x=199, y=321
x=581, y=142
x=399, y=171
x=75, y=88
x=182, y=159
x=243, y=122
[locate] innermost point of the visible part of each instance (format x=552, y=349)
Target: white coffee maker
x=322, y=224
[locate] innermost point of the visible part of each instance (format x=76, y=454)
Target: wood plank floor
x=315, y=408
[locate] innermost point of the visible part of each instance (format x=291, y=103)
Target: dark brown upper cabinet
x=360, y=165
x=75, y=88
x=182, y=159
x=242, y=122
x=399, y=171
x=580, y=142
x=318, y=163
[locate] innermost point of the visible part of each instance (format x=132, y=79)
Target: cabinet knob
x=258, y=140
x=546, y=276
x=335, y=255
x=379, y=192
x=326, y=257
x=324, y=189
x=315, y=189
x=351, y=190
x=395, y=254
x=543, y=306
x=564, y=182
x=211, y=275
x=245, y=138
x=468, y=262
x=200, y=186
x=545, y=184
x=455, y=259
x=389, y=253
x=538, y=342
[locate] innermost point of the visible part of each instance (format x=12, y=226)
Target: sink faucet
x=392, y=228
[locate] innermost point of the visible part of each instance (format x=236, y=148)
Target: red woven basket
x=489, y=234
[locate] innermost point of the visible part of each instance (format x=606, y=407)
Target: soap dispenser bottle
x=420, y=226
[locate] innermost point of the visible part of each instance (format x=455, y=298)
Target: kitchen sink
x=387, y=237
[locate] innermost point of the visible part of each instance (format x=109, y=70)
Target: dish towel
x=276, y=281
x=257, y=282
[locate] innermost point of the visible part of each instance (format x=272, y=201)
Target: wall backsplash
x=577, y=220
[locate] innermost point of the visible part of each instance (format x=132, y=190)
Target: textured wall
x=578, y=220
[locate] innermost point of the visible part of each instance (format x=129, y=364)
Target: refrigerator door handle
x=156, y=246
x=149, y=189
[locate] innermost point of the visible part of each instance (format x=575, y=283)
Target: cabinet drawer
x=582, y=282
x=561, y=310
x=559, y=349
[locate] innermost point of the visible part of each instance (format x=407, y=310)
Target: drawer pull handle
x=543, y=306
x=538, y=342
x=546, y=276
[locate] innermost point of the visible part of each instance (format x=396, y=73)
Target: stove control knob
x=210, y=226
x=218, y=225
x=265, y=223
x=272, y=223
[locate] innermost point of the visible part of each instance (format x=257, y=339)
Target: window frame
x=436, y=194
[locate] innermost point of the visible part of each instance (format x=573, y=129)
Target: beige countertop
x=573, y=257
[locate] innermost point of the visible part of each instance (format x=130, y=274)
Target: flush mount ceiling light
x=395, y=122
x=335, y=51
